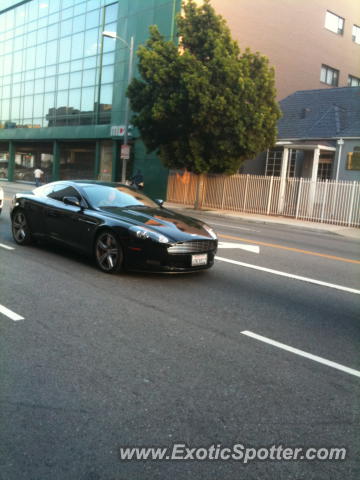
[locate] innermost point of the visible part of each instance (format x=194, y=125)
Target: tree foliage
x=203, y=105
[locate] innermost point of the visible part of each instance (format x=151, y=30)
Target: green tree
x=203, y=105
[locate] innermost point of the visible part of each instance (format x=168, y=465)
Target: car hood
x=175, y=226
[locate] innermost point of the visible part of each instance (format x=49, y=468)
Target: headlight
x=145, y=233
x=210, y=231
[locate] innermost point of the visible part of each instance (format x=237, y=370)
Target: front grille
x=194, y=246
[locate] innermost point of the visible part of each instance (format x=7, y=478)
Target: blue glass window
x=91, y=41
x=77, y=48
x=89, y=77
x=62, y=99
x=111, y=13
x=74, y=98
x=39, y=86
x=87, y=99
x=63, y=81
x=79, y=24
x=49, y=84
x=75, y=80
x=66, y=28
x=93, y=19
x=65, y=49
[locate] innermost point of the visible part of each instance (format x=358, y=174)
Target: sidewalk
x=349, y=232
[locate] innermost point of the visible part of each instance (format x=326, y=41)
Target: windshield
x=101, y=196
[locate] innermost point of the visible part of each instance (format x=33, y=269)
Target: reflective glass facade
x=63, y=84
x=55, y=67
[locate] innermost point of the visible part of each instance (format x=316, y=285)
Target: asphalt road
x=101, y=362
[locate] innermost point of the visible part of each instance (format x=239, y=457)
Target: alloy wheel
x=108, y=252
x=20, y=229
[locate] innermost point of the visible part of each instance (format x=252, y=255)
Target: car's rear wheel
x=20, y=228
x=108, y=252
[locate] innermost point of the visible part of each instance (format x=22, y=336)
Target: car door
x=35, y=207
x=69, y=224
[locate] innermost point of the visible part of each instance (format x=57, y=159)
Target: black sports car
x=120, y=226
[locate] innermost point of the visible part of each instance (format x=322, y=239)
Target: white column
x=284, y=166
x=314, y=172
x=315, y=165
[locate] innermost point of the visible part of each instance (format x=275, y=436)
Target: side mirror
x=159, y=201
x=75, y=202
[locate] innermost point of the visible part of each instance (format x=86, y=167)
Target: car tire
x=20, y=228
x=108, y=252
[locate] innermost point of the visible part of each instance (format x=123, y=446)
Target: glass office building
x=62, y=87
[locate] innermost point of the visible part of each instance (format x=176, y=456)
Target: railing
x=322, y=201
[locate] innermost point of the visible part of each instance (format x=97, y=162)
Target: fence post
x=246, y=189
x=324, y=200
x=199, y=191
x=298, y=200
x=351, y=203
x=223, y=194
x=283, y=178
x=270, y=193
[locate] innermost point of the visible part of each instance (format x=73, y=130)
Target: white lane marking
x=242, y=246
x=2, y=245
x=233, y=226
x=290, y=275
x=9, y=313
x=315, y=358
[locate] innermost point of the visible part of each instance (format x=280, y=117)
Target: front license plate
x=199, y=259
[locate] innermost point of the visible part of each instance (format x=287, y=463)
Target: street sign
x=119, y=130
x=125, y=152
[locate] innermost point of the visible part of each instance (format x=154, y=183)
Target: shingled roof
x=325, y=113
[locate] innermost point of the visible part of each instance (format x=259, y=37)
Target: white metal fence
x=321, y=201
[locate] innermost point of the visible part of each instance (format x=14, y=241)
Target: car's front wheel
x=20, y=228
x=108, y=252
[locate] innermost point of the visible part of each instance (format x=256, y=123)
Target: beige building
x=311, y=43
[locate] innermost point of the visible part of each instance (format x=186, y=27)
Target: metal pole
x=340, y=142
x=127, y=109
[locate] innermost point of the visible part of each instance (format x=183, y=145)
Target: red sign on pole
x=125, y=152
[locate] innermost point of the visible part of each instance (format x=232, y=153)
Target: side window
x=61, y=191
x=44, y=191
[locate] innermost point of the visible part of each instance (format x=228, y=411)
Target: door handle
x=91, y=222
x=52, y=213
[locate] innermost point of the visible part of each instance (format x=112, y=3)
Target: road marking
x=315, y=358
x=248, y=248
x=10, y=314
x=291, y=249
x=290, y=275
x=2, y=245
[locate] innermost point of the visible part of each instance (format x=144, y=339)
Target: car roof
x=82, y=183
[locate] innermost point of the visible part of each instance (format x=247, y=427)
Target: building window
x=353, y=81
x=353, y=159
x=334, y=23
x=356, y=34
x=329, y=75
x=325, y=166
x=274, y=160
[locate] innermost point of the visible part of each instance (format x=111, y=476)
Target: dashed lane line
x=6, y=247
x=296, y=351
x=10, y=314
x=289, y=275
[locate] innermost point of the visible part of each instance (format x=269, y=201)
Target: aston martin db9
x=120, y=227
